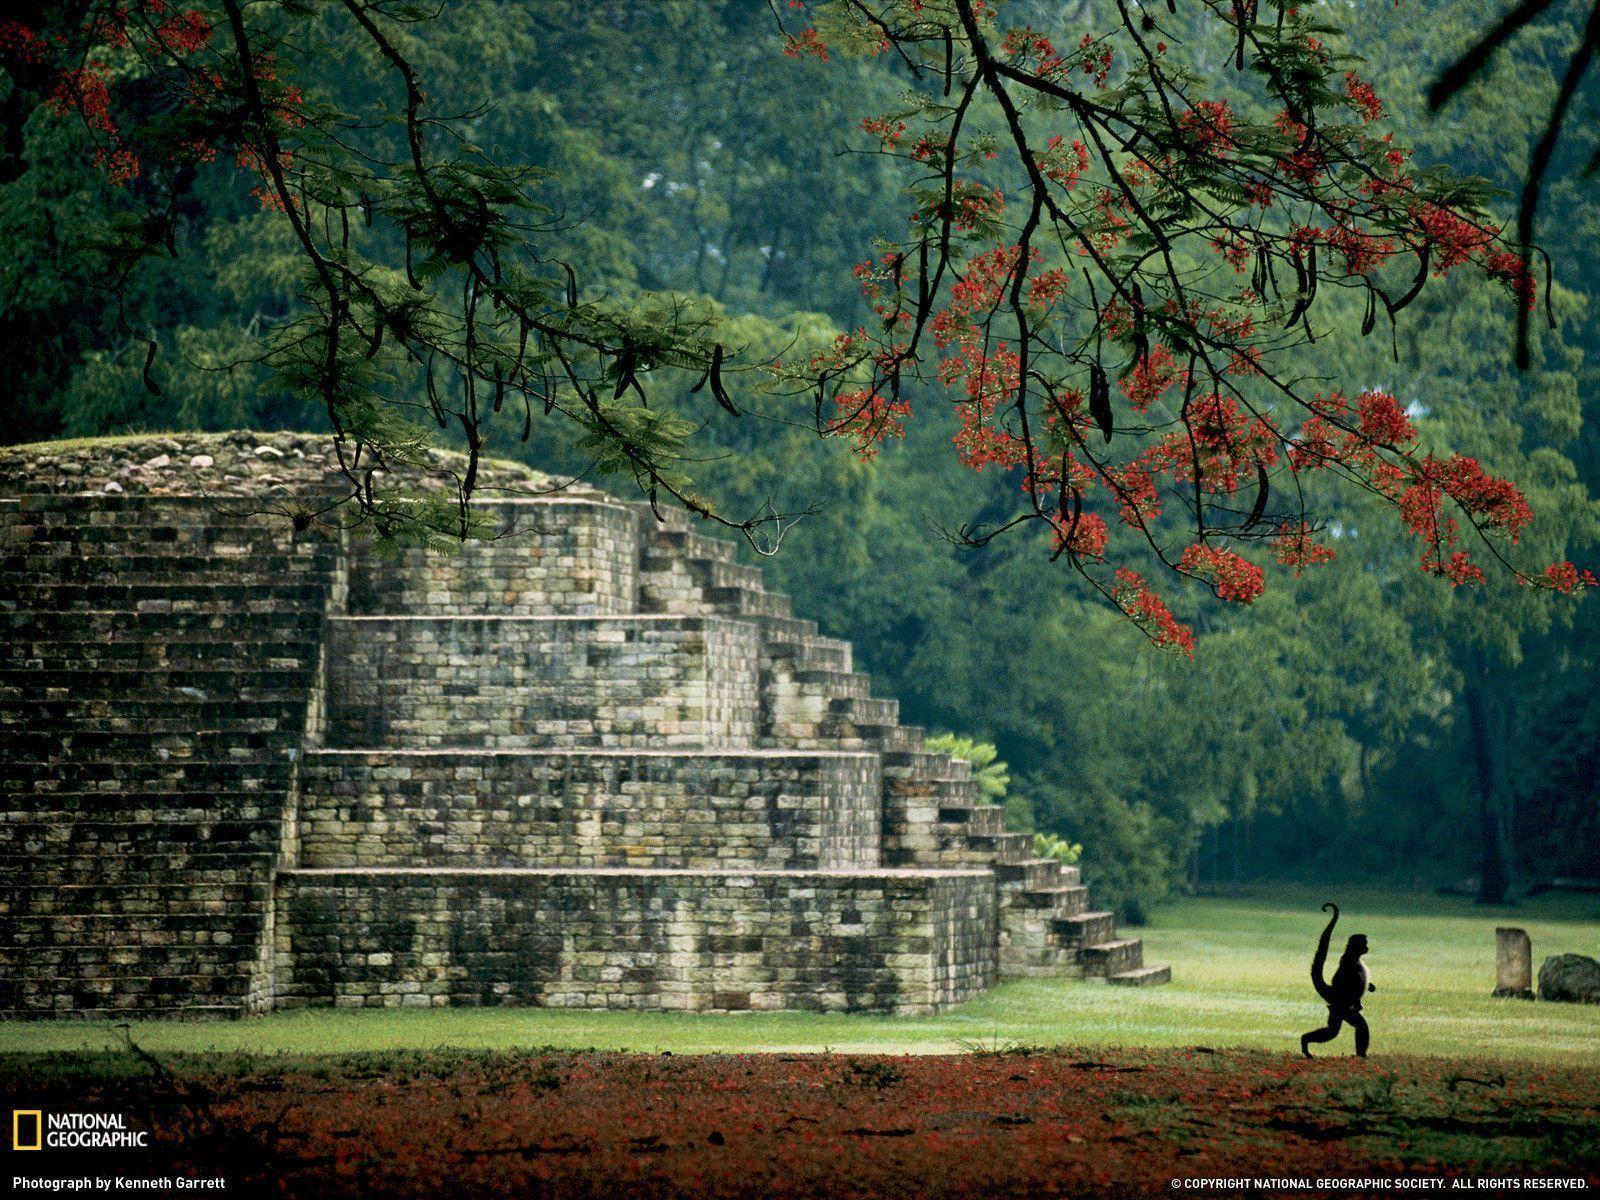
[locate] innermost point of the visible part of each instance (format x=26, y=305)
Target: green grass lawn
x=1240, y=979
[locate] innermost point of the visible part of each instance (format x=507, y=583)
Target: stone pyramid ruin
x=589, y=762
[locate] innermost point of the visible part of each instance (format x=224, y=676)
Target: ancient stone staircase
x=157, y=660
x=592, y=762
x=933, y=814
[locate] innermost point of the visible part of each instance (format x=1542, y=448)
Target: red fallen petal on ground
x=1066, y=1123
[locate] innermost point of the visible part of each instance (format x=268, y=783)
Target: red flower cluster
x=1137, y=497
x=1209, y=127
x=1045, y=288
x=1453, y=240
x=1383, y=420
x=805, y=43
x=989, y=378
x=1035, y=52
x=1294, y=548
x=1567, y=579
x=1233, y=577
x=1495, y=506
x=870, y=419
x=1360, y=251
x=83, y=86
x=1223, y=442
x=1083, y=535
x=1150, y=613
x=1152, y=377
x=885, y=129
x=1362, y=98
x=163, y=36
x=1096, y=64
x=1064, y=164
x=1510, y=269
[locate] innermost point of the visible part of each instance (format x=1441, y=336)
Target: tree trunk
x=1364, y=768
x=1494, y=862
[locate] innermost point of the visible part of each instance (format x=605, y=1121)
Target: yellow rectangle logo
x=20, y=1117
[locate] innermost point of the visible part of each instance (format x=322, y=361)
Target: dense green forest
x=1362, y=719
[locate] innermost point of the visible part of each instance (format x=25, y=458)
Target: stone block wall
x=693, y=808
x=906, y=942
x=157, y=663
x=519, y=682
x=537, y=557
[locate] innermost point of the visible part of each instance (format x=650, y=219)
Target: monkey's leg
x=1325, y=1034
x=1359, y=1024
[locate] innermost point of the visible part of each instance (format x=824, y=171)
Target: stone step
x=136, y=1004
x=808, y=653
x=1035, y=962
x=986, y=820
x=920, y=763
x=1012, y=848
x=107, y=864
x=186, y=928
x=688, y=544
x=252, y=682
x=94, y=901
x=119, y=626
x=866, y=710
x=70, y=565
x=835, y=685
x=187, y=654
x=1087, y=928
x=1062, y=900
x=170, y=596
x=909, y=803
x=142, y=528
x=1030, y=874
x=256, y=755
x=211, y=508
x=161, y=964
x=901, y=738
x=787, y=630
x=118, y=745
x=176, y=735
x=123, y=850
x=131, y=801
x=1142, y=977
x=715, y=574
x=746, y=602
x=154, y=714
x=42, y=814
x=1116, y=957
x=87, y=772
x=158, y=584
x=206, y=549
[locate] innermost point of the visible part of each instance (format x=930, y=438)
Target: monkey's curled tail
x=1324, y=989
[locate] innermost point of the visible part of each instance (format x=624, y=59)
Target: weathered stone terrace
x=588, y=761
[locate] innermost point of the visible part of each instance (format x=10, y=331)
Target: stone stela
x=590, y=763
x=1513, y=963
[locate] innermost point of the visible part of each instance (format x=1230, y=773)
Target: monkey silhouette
x=1351, y=982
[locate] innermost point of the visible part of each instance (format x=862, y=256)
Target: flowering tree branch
x=1111, y=265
